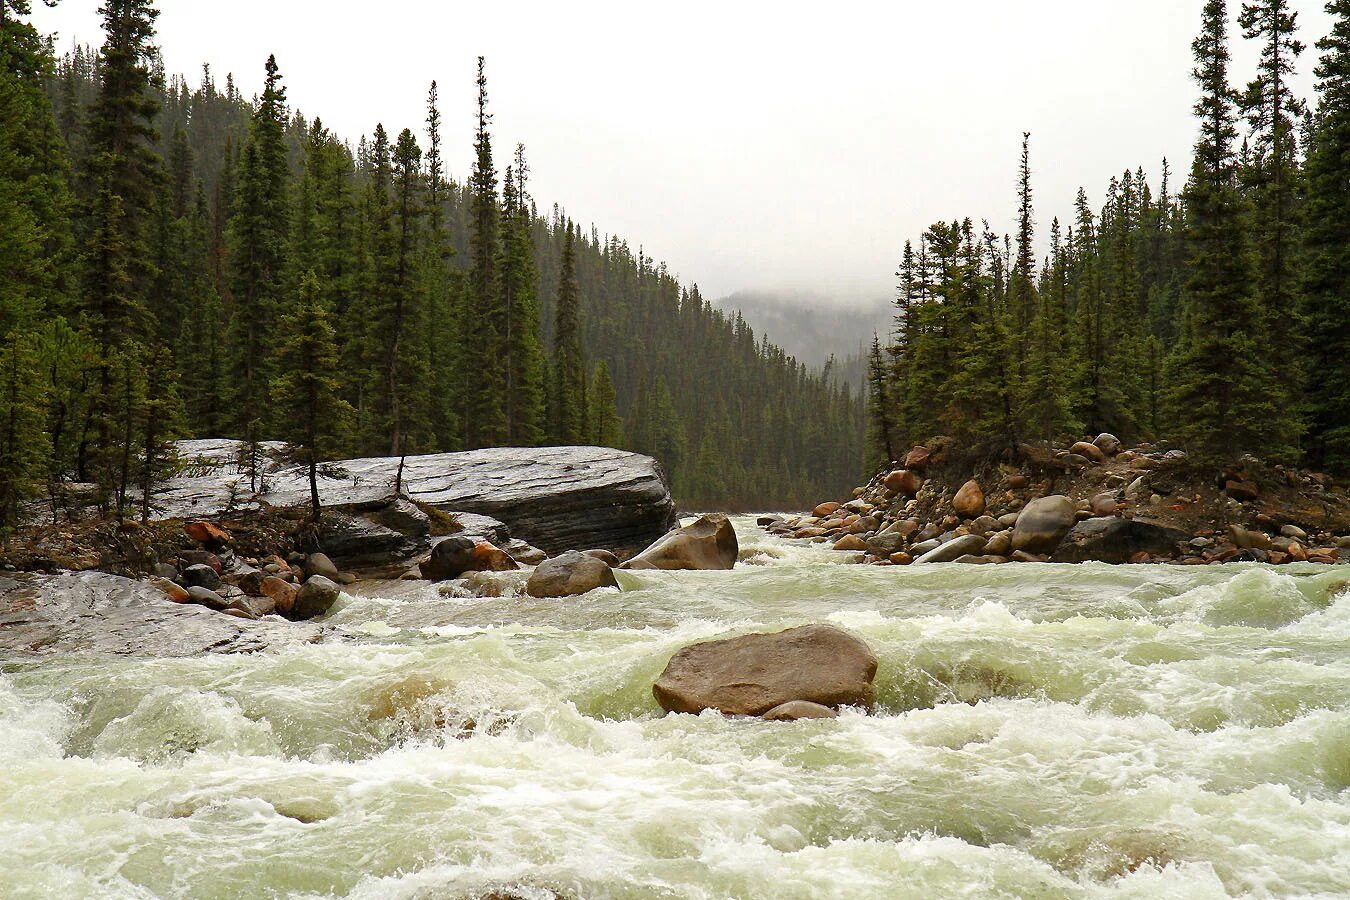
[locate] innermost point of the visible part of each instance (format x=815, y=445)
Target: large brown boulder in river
x=707, y=543
x=754, y=673
x=1043, y=523
x=569, y=574
x=1112, y=540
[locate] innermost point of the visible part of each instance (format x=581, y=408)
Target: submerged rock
x=709, y=542
x=91, y=612
x=315, y=598
x=449, y=559
x=755, y=673
x=569, y=575
x=795, y=710
x=556, y=498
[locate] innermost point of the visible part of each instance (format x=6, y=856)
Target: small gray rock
x=315, y=598
x=966, y=545
x=201, y=575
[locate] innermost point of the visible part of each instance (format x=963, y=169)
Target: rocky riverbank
x=1090, y=501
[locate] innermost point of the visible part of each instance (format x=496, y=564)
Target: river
x=1041, y=731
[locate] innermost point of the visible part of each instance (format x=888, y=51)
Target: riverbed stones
x=1089, y=451
x=796, y=710
x=1114, y=540
x=905, y=482
x=708, y=543
x=281, y=593
x=965, y=545
x=449, y=559
x=826, y=509
x=200, y=575
x=206, y=597
x=755, y=673
x=315, y=598
x=570, y=574
x=1108, y=443
x=1103, y=504
x=852, y=543
x=208, y=533
x=918, y=458
x=320, y=564
x=969, y=500
x=1043, y=523
x=489, y=557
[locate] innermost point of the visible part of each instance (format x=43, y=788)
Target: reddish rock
x=809, y=533
x=1017, y=482
x=903, y=481
x=825, y=509
x=901, y=558
x=1141, y=557
x=1296, y=552
x=1089, y=451
x=1103, y=505
x=282, y=593
x=490, y=558
x=1242, y=491
x=851, y=542
x=969, y=500
x=175, y=592
x=918, y=458
x=207, y=533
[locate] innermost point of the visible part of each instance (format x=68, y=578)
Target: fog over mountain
x=811, y=327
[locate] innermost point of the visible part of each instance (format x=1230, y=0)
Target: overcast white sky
x=751, y=145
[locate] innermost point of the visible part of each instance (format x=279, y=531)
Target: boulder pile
x=1092, y=500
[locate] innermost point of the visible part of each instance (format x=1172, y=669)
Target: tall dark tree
x=258, y=247
x=1326, y=285
x=569, y=366
x=1224, y=398
x=485, y=417
x=310, y=413
x=1273, y=113
x=522, y=357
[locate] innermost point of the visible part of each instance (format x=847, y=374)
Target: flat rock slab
x=557, y=498
x=755, y=673
x=92, y=612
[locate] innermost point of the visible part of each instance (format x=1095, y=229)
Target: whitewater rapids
x=1041, y=731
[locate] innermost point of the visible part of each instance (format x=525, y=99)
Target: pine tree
x=1273, y=112
x=523, y=362
x=124, y=174
x=1222, y=396
x=879, y=405
x=1326, y=285
x=310, y=412
x=606, y=427
x=23, y=460
x=569, y=368
x=485, y=418
x=258, y=245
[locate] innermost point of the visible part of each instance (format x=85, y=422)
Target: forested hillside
x=1214, y=313
x=182, y=261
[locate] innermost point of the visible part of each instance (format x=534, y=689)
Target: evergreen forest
x=1211, y=310
x=188, y=258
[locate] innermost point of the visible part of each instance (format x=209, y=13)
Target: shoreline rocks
x=1091, y=500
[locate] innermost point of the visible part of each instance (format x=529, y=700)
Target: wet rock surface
x=556, y=498
x=91, y=612
x=708, y=543
x=755, y=673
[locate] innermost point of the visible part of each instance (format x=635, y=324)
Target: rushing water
x=1041, y=731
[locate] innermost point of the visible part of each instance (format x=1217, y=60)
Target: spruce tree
x=485, y=418
x=1272, y=112
x=569, y=368
x=523, y=360
x=1326, y=242
x=606, y=427
x=258, y=245
x=1222, y=398
x=879, y=405
x=23, y=449
x=310, y=413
